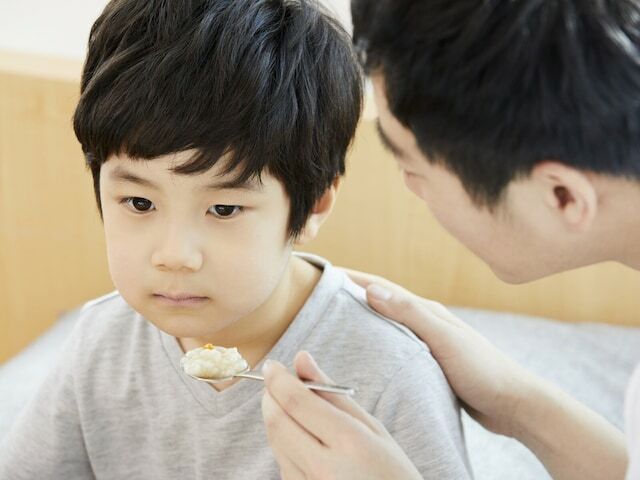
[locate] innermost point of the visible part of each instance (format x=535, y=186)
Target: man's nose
x=177, y=250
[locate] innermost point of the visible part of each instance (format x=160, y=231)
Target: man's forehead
x=394, y=135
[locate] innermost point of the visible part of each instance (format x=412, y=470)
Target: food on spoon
x=213, y=362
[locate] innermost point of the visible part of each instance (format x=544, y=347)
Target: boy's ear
x=319, y=213
x=569, y=192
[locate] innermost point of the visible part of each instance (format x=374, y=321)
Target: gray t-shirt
x=118, y=406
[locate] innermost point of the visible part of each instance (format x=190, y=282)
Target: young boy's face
x=189, y=253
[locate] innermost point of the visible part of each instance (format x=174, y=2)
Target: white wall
x=341, y=8
x=61, y=28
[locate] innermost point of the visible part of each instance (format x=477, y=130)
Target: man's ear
x=569, y=192
x=319, y=213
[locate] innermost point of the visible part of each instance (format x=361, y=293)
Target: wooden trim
x=40, y=66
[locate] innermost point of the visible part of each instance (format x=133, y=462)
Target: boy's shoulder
x=104, y=313
x=345, y=316
x=355, y=344
x=351, y=306
x=109, y=325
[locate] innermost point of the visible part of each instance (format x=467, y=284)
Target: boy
x=216, y=132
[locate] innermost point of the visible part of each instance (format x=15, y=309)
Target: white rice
x=213, y=362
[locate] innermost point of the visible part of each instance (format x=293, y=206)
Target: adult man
x=518, y=124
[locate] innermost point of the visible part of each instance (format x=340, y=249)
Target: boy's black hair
x=274, y=84
x=492, y=87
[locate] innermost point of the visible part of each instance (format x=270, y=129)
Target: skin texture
x=557, y=218
x=226, y=250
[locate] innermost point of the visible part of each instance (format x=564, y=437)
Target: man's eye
x=225, y=211
x=139, y=204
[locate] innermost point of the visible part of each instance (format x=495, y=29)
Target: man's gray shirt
x=118, y=406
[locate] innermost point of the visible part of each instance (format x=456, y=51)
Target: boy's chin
x=183, y=326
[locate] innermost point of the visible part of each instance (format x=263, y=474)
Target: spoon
x=255, y=375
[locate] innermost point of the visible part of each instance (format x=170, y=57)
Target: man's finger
x=424, y=317
x=307, y=369
x=320, y=418
x=395, y=299
x=361, y=278
x=291, y=475
x=288, y=471
x=366, y=279
x=295, y=449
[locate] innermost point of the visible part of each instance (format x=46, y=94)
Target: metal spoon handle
x=321, y=387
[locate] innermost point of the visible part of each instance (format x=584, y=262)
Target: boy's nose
x=177, y=251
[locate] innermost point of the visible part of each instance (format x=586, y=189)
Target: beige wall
x=51, y=247
x=52, y=251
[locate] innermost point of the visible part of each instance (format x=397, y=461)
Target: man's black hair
x=273, y=84
x=492, y=87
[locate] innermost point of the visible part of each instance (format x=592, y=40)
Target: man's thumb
x=387, y=304
x=406, y=308
x=378, y=294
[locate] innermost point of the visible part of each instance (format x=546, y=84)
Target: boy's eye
x=139, y=204
x=225, y=211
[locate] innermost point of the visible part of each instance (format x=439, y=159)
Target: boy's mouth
x=179, y=299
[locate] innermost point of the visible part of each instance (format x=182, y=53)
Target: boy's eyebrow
x=251, y=185
x=121, y=174
x=386, y=141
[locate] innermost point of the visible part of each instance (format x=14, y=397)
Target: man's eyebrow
x=121, y=174
x=386, y=141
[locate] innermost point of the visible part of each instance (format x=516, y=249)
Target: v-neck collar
x=219, y=403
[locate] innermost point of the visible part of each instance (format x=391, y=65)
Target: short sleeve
x=421, y=412
x=46, y=439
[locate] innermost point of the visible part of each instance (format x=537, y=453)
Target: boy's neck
x=256, y=334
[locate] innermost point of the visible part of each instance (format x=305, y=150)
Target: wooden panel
x=379, y=226
x=51, y=247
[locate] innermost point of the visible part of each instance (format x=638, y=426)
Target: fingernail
x=379, y=293
x=312, y=361
x=266, y=367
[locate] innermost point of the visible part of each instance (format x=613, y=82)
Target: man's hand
x=572, y=441
x=489, y=384
x=326, y=436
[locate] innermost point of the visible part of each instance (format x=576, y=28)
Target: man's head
x=215, y=132
x=511, y=116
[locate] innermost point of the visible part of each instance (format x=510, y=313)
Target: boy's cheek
x=121, y=276
x=124, y=259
